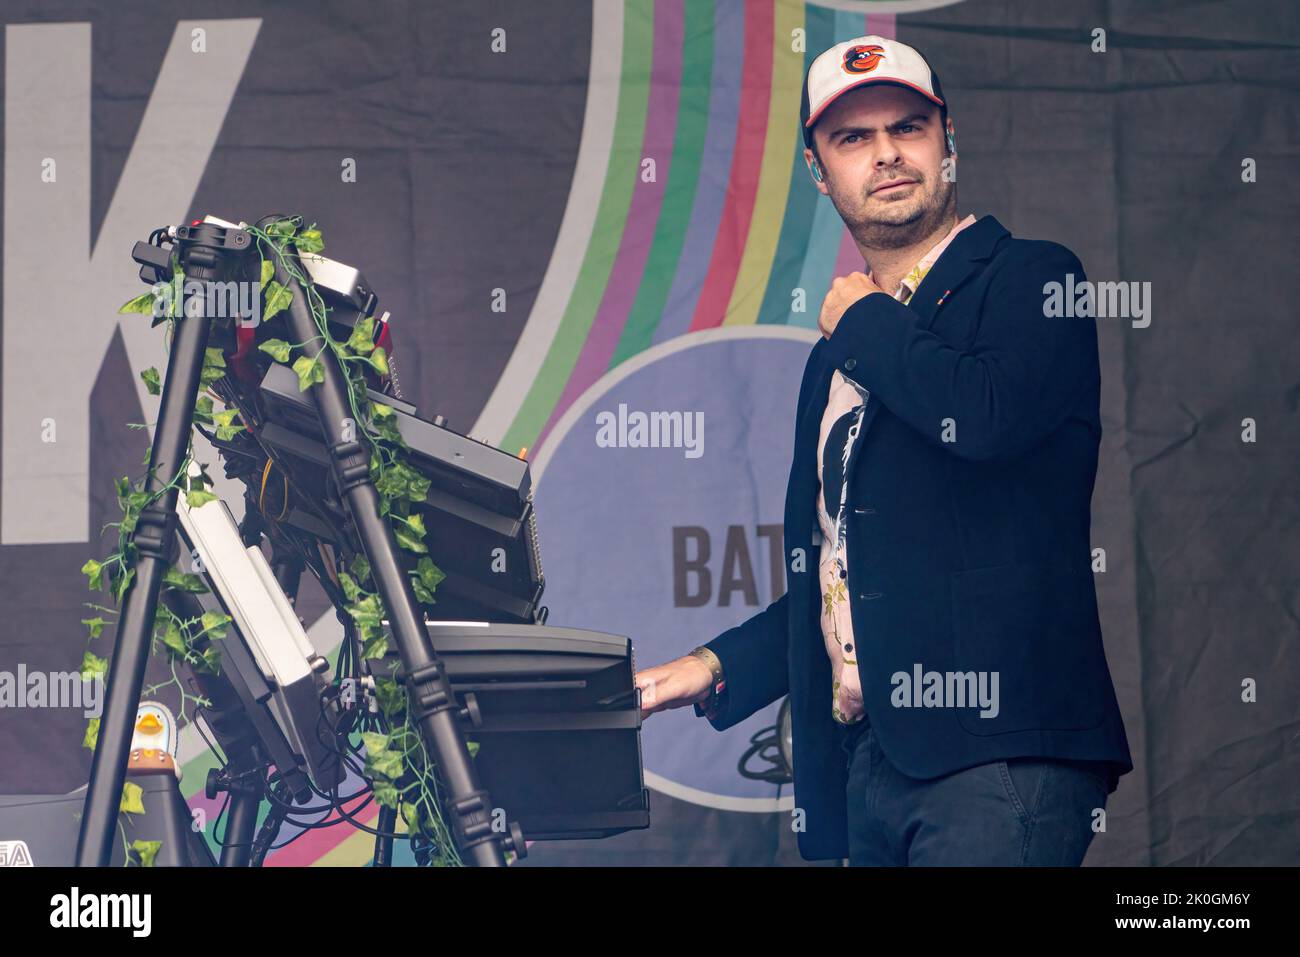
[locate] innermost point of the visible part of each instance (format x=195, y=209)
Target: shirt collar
x=912, y=280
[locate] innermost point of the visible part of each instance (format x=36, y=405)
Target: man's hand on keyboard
x=676, y=684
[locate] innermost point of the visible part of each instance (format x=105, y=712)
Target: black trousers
x=1018, y=812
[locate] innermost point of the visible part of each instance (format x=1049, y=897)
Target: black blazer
x=965, y=555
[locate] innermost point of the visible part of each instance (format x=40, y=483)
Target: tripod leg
x=206, y=253
x=270, y=827
x=154, y=537
x=467, y=805
x=242, y=823
x=384, y=845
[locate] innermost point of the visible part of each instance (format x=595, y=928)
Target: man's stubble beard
x=900, y=223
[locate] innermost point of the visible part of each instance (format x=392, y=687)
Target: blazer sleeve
x=1016, y=383
x=755, y=654
x=755, y=666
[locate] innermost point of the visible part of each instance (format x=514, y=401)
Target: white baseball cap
x=855, y=63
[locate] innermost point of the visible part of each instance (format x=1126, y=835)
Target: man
x=940, y=624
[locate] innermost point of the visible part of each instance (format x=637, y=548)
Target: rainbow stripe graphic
x=723, y=233
x=729, y=225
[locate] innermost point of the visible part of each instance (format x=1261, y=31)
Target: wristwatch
x=711, y=706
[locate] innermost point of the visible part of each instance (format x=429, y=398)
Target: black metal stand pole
x=241, y=824
x=270, y=826
x=205, y=253
x=466, y=804
x=383, y=843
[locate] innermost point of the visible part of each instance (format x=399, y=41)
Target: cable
x=261, y=495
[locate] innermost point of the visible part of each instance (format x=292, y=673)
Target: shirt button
x=850, y=364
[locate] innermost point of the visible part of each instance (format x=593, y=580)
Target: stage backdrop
x=577, y=212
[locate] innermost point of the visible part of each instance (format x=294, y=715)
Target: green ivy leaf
x=376, y=646
x=400, y=481
x=91, y=737
x=386, y=793
x=417, y=486
x=214, y=367
x=411, y=815
x=171, y=637
x=212, y=660
x=422, y=594
x=473, y=748
x=122, y=582
x=268, y=270
x=389, y=483
x=310, y=371
x=142, y=303
x=349, y=586
x=132, y=802
x=227, y=427
x=146, y=851
x=196, y=498
x=95, y=572
x=277, y=349
x=309, y=241
x=366, y=612
x=282, y=228
x=278, y=298
x=96, y=625
x=411, y=538
x=361, y=567
x=379, y=360
x=387, y=429
x=391, y=698
x=362, y=339
x=152, y=382
x=93, y=666
x=175, y=578
x=203, y=409
x=430, y=574
x=214, y=624
x=387, y=764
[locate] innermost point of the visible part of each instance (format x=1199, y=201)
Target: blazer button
x=850, y=364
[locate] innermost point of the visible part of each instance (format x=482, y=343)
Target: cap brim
x=882, y=79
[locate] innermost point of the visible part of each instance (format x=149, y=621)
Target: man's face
x=882, y=151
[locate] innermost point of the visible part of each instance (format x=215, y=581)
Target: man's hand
x=681, y=682
x=845, y=291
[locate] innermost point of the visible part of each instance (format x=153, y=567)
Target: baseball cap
x=854, y=63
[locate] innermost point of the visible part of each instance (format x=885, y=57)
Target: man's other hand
x=681, y=682
x=845, y=291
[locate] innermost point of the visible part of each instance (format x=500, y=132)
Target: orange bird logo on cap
x=863, y=58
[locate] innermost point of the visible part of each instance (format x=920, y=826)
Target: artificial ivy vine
x=396, y=760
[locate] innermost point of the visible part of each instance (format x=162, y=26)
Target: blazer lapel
x=969, y=250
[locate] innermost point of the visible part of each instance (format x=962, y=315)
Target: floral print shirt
x=840, y=425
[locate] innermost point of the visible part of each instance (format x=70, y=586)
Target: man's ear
x=815, y=171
